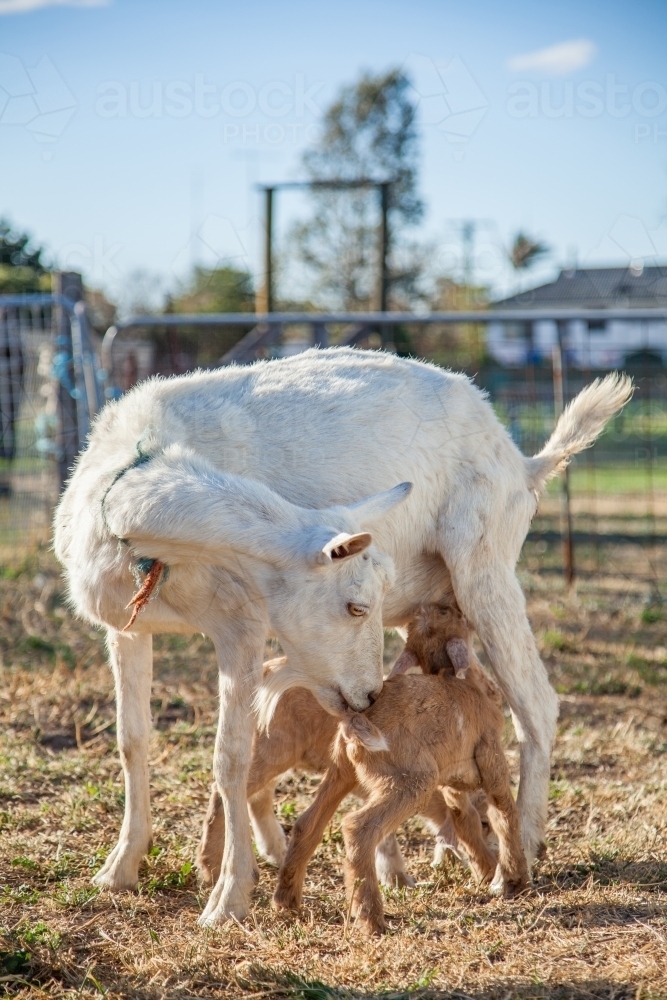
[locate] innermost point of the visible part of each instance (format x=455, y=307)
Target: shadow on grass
x=264, y=981
x=607, y=869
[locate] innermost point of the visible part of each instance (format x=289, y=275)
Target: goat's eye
x=358, y=610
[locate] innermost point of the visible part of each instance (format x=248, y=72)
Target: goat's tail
x=580, y=423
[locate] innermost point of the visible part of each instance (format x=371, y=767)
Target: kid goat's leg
x=212, y=843
x=513, y=874
x=131, y=658
x=238, y=682
x=468, y=827
x=269, y=834
x=439, y=817
x=390, y=864
x=307, y=834
x=362, y=831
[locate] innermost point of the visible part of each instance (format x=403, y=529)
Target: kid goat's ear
x=406, y=661
x=359, y=729
x=457, y=651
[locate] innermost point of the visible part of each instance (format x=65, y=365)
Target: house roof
x=596, y=288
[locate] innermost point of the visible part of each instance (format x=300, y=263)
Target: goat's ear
x=342, y=546
x=380, y=503
x=457, y=651
x=359, y=729
x=406, y=661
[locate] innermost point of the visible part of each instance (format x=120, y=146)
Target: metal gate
x=50, y=389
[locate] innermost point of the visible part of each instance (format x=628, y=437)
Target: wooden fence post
x=565, y=510
x=69, y=284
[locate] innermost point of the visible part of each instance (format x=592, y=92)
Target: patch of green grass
x=653, y=672
x=38, y=933
x=35, y=644
x=554, y=639
x=556, y=790
x=651, y=614
x=262, y=980
x=69, y=897
x=26, y=863
x=608, y=684
x=172, y=880
x=19, y=894
x=13, y=962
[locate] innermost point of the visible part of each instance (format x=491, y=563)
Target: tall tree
x=22, y=266
x=525, y=252
x=219, y=289
x=368, y=132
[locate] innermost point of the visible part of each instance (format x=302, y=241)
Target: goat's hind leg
x=212, y=843
x=390, y=864
x=131, y=658
x=439, y=818
x=490, y=597
x=468, y=827
x=307, y=834
x=512, y=876
x=269, y=834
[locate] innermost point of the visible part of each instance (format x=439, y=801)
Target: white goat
x=244, y=483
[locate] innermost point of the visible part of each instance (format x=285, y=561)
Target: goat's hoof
x=497, y=886
x=274, y=854
x=229, y=901
x=514, y=888
x=115, y=883
x=397, y=880
x=372, y=928
x=119, y=873
x=220, y=915
x=214, y=916
x=285, y=899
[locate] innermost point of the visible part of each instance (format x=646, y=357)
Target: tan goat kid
x=422, y=734
x=302, y=735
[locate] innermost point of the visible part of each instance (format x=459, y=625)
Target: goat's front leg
x=307, y=834
x=231, y=894
x=362, y=832
x=131, y=658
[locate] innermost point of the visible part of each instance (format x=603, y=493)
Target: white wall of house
x=604, y=347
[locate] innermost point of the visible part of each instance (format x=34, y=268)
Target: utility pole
x=468, y=241
x=383, y=277
x=265, y=294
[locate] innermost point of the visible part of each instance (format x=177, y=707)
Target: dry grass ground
x=594, y=926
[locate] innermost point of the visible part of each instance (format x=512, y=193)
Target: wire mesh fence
x=28, y=420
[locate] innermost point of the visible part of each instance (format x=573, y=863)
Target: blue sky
x=132, y=132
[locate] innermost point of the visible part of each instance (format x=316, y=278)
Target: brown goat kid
x=301, y=737
x=439, y=732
